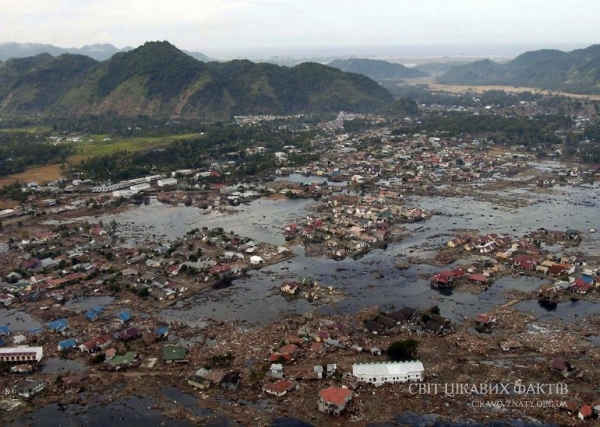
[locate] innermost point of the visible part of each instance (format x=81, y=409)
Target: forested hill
x=157, y=79
x=576, y=72
x=375, y=69
x=99, y=52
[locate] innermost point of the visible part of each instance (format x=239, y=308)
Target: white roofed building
x=21, y=354
x=167, y=181
x=388, y=372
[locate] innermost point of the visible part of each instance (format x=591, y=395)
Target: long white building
x=388, y=372
x=21, y=354
x=166, y=182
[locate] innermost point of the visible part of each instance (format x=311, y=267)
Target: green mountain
x=376, y=70
x=157, y=79
x=577, y=71
x=438, y=68
x=99, y=52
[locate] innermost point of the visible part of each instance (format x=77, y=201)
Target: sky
x=218, y=26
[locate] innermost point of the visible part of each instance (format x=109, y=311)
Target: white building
x=21, y=354
x=139, y=187
x=167, y=181
x=388, y=372
x=123, y=193
x=6, y=213
x=256, y=260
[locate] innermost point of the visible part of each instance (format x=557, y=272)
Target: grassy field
x=98, y=147
x=38, y=174
x=92, y=146
x=436, y=87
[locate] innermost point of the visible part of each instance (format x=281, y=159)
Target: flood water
x=17, y=321
x=373, y=279
x=62, y=366
x=88, y=303
x=262, y=220
x=133, y=412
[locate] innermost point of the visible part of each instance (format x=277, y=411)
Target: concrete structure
x=333, y=400
x=388, y=372
x=139, y=187
x=28, y=387
x=166, y=182
x=21, y=354
x=6, y=213
x=123, y=193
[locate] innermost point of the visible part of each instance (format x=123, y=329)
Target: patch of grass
x=98, y=147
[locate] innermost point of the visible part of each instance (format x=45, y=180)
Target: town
x=366, y=255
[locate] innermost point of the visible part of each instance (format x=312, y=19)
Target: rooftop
x=387, y=368
x=336, y=395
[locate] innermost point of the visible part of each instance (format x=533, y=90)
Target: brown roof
x=289, y=348
x=336, y=395
x=386, y=321
x=560, y=364
x=279, y=387
x=316, y=347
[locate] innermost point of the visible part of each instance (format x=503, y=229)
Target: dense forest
x=220, y=142
x=19, y=150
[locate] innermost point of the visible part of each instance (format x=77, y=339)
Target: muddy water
x=132, y=411
x=373, y=279
x=262, y=220
x=88, y=303
x=17, y=321
x=61, y=366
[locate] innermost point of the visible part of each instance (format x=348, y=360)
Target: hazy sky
x=218, y=25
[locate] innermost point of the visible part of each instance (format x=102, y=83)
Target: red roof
x=439, y=279
x=290, y=349
x=485, y=319
x=275, y=357
x=478, y=278
x=458, y=272
x=279, y=387
x=527, y=265
x=586, y=411
x=336, y=395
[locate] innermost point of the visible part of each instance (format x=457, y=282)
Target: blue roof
x=93, y=313
x=162, y=330
x=124, y=316
x=1, y=342
x=70, y=343
x=59, y=325
x=4, y=329
x=35, y=330
x=587, y=279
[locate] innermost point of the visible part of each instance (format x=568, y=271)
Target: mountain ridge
x=160, y=80
x=376, y=69
x=577, y=71
x=98, y=51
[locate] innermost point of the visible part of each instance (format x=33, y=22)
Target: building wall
x=23, y=356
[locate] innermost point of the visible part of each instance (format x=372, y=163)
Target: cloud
x=200, y=24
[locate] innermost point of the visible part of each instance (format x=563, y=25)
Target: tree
x=144, y=292
x=403, y=350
